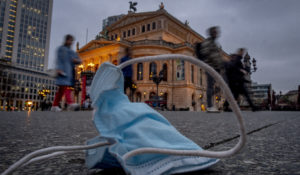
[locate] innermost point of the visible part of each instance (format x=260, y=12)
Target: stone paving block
x=272, y=148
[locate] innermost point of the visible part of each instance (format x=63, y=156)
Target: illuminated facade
x=152, y=33
x=24, y=45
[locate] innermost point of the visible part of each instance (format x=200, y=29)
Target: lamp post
x=247, y=63
x=254, y=65
x=157, y=79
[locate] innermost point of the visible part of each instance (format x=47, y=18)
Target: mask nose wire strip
x=226, y=92
x=59, y=150
x=50, y=152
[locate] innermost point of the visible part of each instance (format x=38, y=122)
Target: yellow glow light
x=91, y=64
x=202, y=107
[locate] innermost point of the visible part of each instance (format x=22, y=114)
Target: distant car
x=157, y=103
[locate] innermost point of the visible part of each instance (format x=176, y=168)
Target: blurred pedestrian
x=236, y=72
x=210, y=53
x=127, y=71
x=65, y=79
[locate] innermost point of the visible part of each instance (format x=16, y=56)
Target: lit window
x=140, y=71
x=180, y=72
x=152, y=70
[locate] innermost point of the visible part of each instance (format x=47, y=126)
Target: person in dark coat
x=212, y=54
x=236, y=72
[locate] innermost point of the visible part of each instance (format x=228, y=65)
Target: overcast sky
x=269, y=29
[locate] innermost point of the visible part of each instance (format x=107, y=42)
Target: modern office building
x=24, y=45
x=261, y=94
x=110, y=20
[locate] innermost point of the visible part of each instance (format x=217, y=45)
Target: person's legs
x=68, y=95
x=58, y=96
x=246, y=94
x=127, y=83
x=209, y=90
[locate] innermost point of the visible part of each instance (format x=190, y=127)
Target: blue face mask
x=132, y=126
x=141, y=141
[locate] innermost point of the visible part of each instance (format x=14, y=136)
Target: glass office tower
x=24, y=46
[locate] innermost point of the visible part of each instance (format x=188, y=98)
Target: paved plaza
x=273, y=145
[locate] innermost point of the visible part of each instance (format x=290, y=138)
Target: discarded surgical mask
x=132, y=126
x=133, y=135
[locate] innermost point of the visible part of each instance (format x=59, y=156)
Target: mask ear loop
x=47, y=153
x=226, y=92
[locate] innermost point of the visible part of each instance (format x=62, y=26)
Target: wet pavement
x=273, y=145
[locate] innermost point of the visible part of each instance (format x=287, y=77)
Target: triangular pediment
x=132, y=18
x=94, y=44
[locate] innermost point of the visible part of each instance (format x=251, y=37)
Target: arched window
x=152, y=70
x=140, y=71
x=200, y=77
x=165, y=72
x=180, y=72
x=192, y=73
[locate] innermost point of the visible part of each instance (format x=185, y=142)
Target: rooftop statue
x=132, y=6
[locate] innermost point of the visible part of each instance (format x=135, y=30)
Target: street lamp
x=247, y=63
x=254, y=64
x=157, y=79
x=132, y=90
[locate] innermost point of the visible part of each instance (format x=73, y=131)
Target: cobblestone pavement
x=273, y=145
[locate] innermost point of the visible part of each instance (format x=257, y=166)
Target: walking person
x=127, y=71
x=65, y=79
x=211, y=53
x=236, y=72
